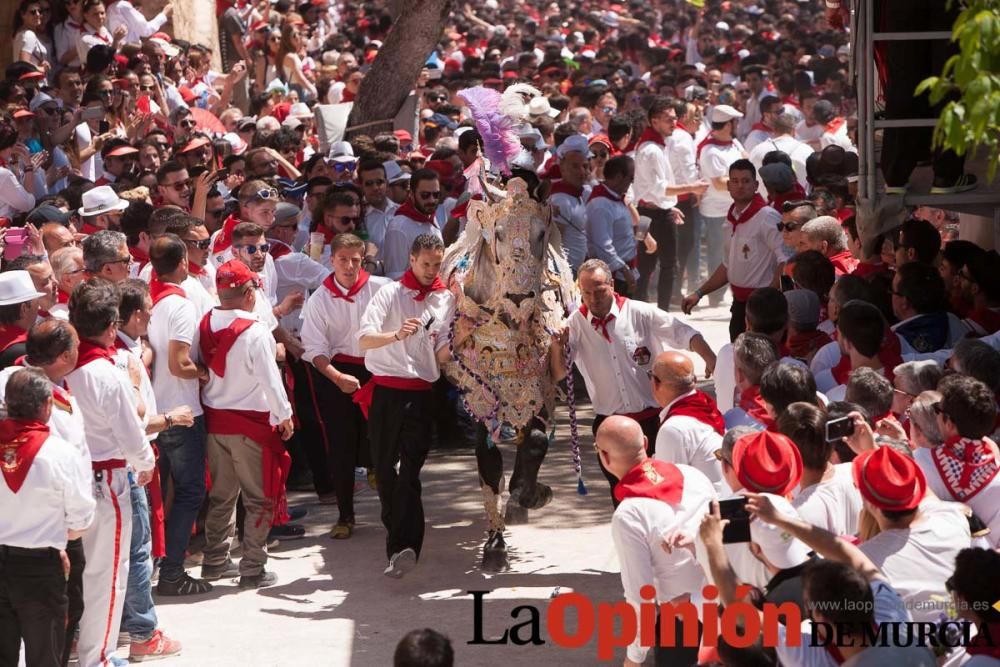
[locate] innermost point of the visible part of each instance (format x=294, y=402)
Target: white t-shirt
x=714, y=162
x=27, y=41
x=174, y=319
x=833, y=504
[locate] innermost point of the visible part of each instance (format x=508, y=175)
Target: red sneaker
x=156, y=647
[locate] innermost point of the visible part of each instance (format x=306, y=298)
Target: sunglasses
x=600, y=155
x=788, y=226
x=609, y=110
x=36, y=12
x=105, y=93
x=51, y=111
x=126, y=261
x=263, y=248
x=149, y=87
x=341, y=167
x=652, y=377
x=430, y=195
x=435, y=98
x=348, y=220
x=187, y=124
x=203, y=244
x=266, y=195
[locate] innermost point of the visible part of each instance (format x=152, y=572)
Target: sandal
x=342, y=530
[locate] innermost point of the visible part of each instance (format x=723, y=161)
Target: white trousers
x=105, y=576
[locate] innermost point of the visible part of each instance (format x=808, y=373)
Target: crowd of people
x=203, y=308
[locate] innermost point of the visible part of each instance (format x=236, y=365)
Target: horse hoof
x=495, y=553
x=542, y=497
x=515, y=514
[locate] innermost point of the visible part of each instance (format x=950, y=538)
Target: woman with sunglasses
x=95, y=30
x=29, y=35
x=291, y=63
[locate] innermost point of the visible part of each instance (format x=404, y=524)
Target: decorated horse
x=515, y=291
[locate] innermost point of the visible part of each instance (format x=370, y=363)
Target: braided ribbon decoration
x=574, y=439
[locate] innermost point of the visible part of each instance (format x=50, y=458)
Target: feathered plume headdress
x=496, y=116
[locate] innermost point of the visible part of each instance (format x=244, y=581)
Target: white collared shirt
x=376, y=222
x=123, y=13
x=414, y=356
x=174, y=318
x=615, y=372
x=57, y=495
x=637, y=528
x=133, y=351
x=684, y=439
x=399, y=236
x=653, y=174
x=795, y=149
x=714, y=162
x=330, y=325
x=66, y=36
x=681, y=153
x=610, y=234
x=754, y=249
x=110, y=411
x=252, y=380
x=64, y=424
x=296, y=271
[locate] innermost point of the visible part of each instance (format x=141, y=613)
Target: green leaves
x=970, y=84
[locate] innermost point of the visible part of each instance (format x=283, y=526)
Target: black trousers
x=33, y=606
x=650, y=426
x=685, y=241
x=344, y=432
x=400, y=423
x=311, y=437
x=679, y=655
x=737, y=319
x=664, y=231
x=907, y=64
x=74, y=592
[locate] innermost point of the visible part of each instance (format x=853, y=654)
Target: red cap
x=767, y=462
x=452, y=65
x=601, y=139
x=161, y=35
x=122, y=82
x=194, y=144
x=121, y=60
x=889, y=480
x=234, y=273
x=122, y=151
x=403, y=136
x=187, y=94
x=442, y=168
x=23, y=113
x=510, y=74
x=259, y=25
x=31, y=75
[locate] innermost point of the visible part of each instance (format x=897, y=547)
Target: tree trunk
x=397, y=67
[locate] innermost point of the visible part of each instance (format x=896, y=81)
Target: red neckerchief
x=988, y=319
x=981, y=645
x=120, y=344
x=74, y=25
x=100, y=36
x=195, y=269
x=215, y=345
x=410, y=211
x=711, y=141
x=803, y=345
x=140, y=256
x=279, y=249
x=409, y=281
x=762, y=127
x=20, y=441
x=652, y=479
x=11, y=335
x=966, y=466
x=331, y=284
x=61, y=296
x=649, y=134
x=890, y=354
x=682, y=126
x=600, y=324
x=865, y=269
x=347, y=96
x=844, y=263
x=602, y=191
x=561, y=187
x=90, y=351
x=700, y=406
x=159, y=290
x=751, y=403
x=225, y=238
x=834, y=125
x=756, y=204
x=797, y=193
x=89, y=229
x=790, y=100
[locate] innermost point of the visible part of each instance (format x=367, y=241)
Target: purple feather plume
x=500, y=141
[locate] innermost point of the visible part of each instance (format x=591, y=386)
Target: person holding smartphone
x=17, y=193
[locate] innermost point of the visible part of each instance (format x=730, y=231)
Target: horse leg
x=489, y=461
x=525, y=487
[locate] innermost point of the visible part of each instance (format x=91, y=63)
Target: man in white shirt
x=403, y=333
x=755, y=77
x=381, y=209
x=336, y=369
x=116, y=438
x=691, y=426
x=826, y=496
x=656, y=192
x=861, y=333
x=46, y=499
x=610, y=227
x=748, y=356
x=568, y=197
x=763, y=129
x=123, y=13
x=755, y=252
x=784, y=140
x=656, y=498
x=247, y=417
x=295, y=271
x=412, y=219
x=173, y=335
x=613, y=341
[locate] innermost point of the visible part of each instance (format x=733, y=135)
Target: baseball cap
x=576, y=143
x=48, y=213
x=779, y=546
x=803, y=308
x=233, y=273
x=285, y=211
x=722, y=113
x=41, y=98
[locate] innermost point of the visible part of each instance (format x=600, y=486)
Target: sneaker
x=182, y=585
x=296, y=513
x=124, y=639
x=156, y=647
x=262, y=580
x=227, y=570
x=343, y=530
x=964, y=183
x=289, y=531
x=401, y=563
x=372, y=482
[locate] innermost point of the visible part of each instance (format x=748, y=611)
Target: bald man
x=55, y=236
x=691, y=426
x=656, y=498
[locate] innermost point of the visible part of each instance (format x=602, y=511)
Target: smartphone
x=642, y=228
x=14, y=242
x=92, y=113
x=738, y=528
x=839, y=428
x=222, y=174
